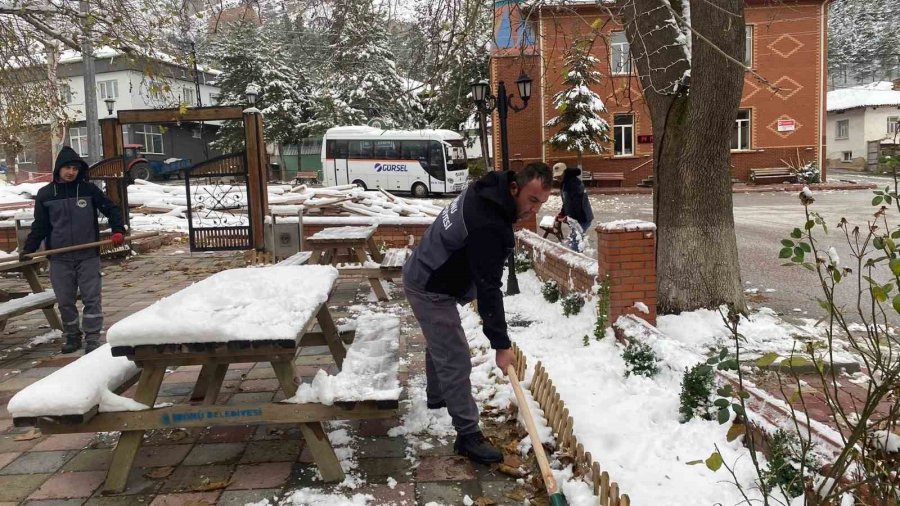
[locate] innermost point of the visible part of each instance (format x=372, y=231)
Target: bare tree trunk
x=697, y=259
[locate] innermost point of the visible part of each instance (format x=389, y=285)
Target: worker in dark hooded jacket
x=575, y=203
x=460, y=259
x=65, y=214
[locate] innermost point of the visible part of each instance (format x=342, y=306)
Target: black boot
x=91, y=344
x=436, y=405
x=477, y=448
x=73, y=344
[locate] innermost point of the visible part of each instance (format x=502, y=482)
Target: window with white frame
x=740, y=135
x=842, y=129
x=108, y=89
x=893, y=124
x=65, y=93
x=748, y=46
x=847, y=156
x=623, y=142
x=78, y=139
x=620, y=54
x=26, y=156
x=156, y=89
x=150, y=136
x=187, y=96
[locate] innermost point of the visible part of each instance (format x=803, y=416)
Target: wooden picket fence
x=562, y=425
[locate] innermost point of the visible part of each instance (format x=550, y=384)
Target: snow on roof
x=370, y=368
x=72, y=56
x=868, y=95
x=247, y=304
x=360, y=131
x=76, y=388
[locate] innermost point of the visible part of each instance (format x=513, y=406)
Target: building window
x=78, y=140
x=187, y=96
x=893, y=124
x=748, y=46
x=847, y=156
x=624, y=134
x=156, y=89
x=740, y=138
x=620, y=54
x=65, y=93
x=108, y=89
x=213, y=99
x=842, y=129
x=150, y=136
x=26, y=156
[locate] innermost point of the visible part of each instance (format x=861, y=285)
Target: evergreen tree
x=863, y=39
x=249, y=54
x=360, y=81
x=581, y=128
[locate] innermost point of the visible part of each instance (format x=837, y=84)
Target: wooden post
x=256, y=207
x=116, y=189
x=30, y=273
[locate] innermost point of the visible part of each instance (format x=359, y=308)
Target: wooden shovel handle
x=539, y=453
x=56, y=251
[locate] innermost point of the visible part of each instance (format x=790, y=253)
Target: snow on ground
x=630, y=425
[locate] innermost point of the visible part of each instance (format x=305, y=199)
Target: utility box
x=284, y=239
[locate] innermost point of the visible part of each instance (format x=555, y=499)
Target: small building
x=123, y=79
x=860, y=119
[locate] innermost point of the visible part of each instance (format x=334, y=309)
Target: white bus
x=423, y=162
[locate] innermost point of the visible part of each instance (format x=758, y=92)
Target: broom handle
x=539, y=453
x=40, y=254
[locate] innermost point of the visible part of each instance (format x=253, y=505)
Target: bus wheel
x=359, y=183
x=419, y=190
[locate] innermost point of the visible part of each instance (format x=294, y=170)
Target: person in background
x=575, y=204
x=65, y=214
x=461, y=258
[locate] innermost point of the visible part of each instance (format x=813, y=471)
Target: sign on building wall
x=787, y=125
x=645, y=139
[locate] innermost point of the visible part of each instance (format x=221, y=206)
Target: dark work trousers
x=448, y=362
x=68, y=277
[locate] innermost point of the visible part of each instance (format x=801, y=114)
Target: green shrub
x=550, y=291
x=696, y=391
x=572, y=303
x=523, y=263
x=602, y=309
x=640, y=360
x=784, y=471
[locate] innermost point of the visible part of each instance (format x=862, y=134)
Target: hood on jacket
x=494, y=187
x=68, y=156
x=571, y=172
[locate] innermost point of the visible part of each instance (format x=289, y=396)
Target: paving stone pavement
x=220, y=465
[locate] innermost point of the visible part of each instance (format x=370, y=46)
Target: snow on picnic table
x=343, y=233
x=273, y=303
x=630, y=425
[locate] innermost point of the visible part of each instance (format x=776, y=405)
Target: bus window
x=387, y=150
x=456, y=155
x=415, y=150
x=336, y=149
x=436, y=167
x=361, y=149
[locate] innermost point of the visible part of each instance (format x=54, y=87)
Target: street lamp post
x=502, y=102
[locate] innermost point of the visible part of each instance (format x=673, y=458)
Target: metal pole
x=90, y=92
x=512, y=281
x=196, y=79
x=485, y=145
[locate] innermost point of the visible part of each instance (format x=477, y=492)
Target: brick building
x=786, y=46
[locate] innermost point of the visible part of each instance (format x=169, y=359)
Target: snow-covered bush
x=572, y=303
x=809, y=173
x=640, y=360
x=787, y=462
x=696, y=392
x=523, y=263
x=550, y=291
x=602, y=309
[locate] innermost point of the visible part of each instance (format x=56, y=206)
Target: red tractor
x=136, y=166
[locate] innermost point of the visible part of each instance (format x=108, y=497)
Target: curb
x=744, y=188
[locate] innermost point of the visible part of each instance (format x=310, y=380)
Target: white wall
x=134, y=93
x=856, y=140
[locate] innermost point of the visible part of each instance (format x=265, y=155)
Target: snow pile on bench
x=25, y=304
x=344, y=233
x=78, y=387
x=370, y=368
x=246, y=304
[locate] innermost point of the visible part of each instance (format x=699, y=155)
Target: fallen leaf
x=735, y=430
x=516, y=494
x=28, y=436
x=512, y=460
x=484, y=501
x=198, y=503
x=160, y=472
x=206, y=485
x=515, y=472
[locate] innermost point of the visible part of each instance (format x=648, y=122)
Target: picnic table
x=326, y=245
x=237, y=316
x=38, y=299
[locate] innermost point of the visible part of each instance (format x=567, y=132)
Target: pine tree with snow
x=581, y=127
x=360, y=82
x=863, y=40
x=247, y=54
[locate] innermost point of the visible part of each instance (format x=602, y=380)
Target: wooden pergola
x=112, y=168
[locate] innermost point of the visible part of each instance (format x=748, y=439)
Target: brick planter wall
x=572, y=271
x=626, y=253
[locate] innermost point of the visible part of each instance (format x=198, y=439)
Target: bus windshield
x=456, y=155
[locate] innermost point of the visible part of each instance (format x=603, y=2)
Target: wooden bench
x=615, y=177
x=300, y=258
x=776, y=174
x=390, y=267
x=76, y=393
x=307, y=176
x=26, y=304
